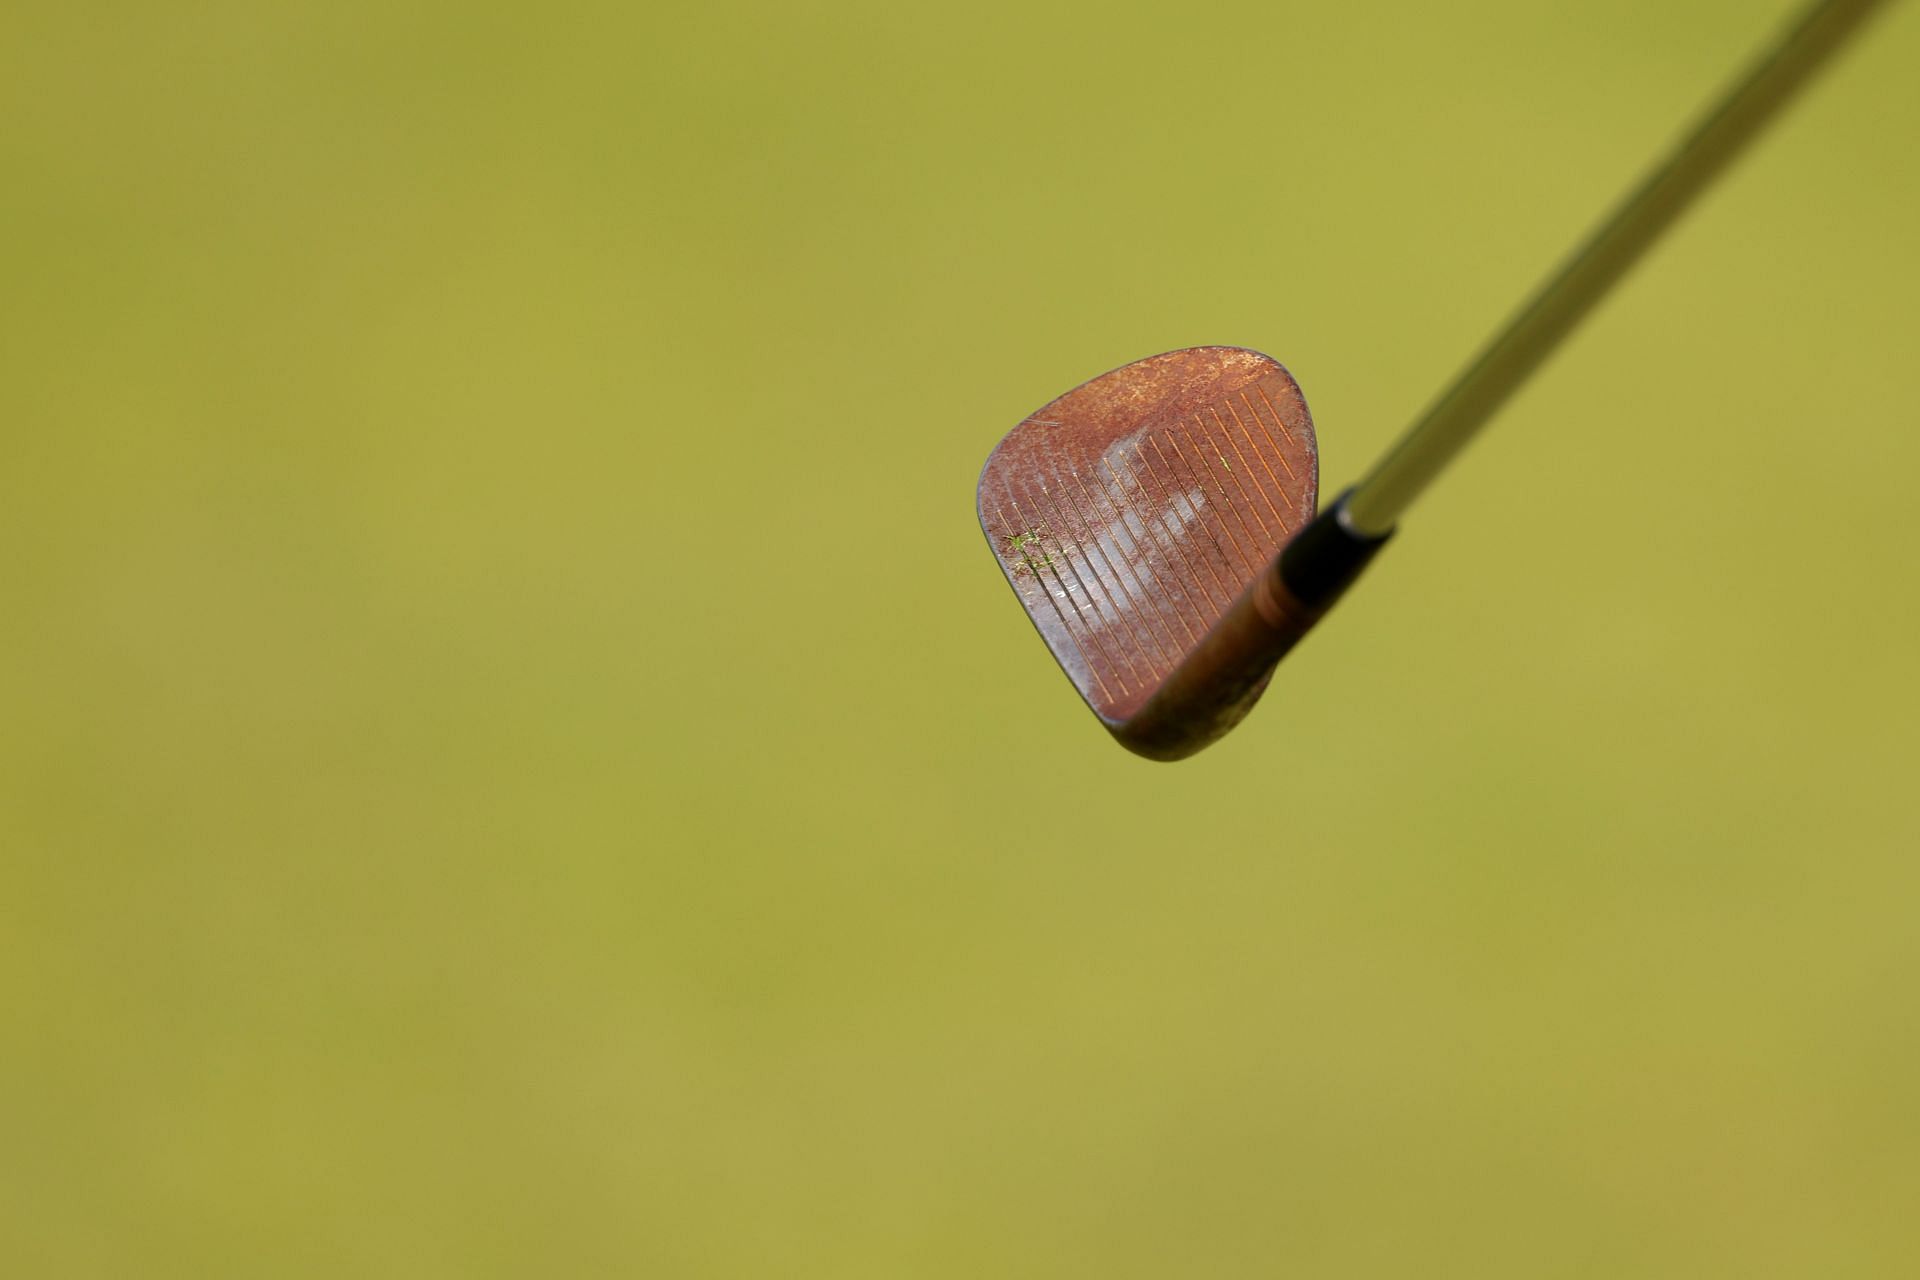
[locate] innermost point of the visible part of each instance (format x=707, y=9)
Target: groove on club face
x=1132, y=512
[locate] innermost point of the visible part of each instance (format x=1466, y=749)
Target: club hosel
x=1321, y=561
x=1219, y=681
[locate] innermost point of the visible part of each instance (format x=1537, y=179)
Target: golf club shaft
x=1376, y=504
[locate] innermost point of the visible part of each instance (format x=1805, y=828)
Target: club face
x=1129, y=513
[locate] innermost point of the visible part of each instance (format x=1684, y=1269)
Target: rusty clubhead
x=1139, y=519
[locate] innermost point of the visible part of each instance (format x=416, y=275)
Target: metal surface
x=1131, y=513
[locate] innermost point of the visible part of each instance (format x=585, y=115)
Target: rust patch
x=1130, y=513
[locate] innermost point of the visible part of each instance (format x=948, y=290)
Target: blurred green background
x=517, y=759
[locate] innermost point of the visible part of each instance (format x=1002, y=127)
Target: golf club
x=1159, y=524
